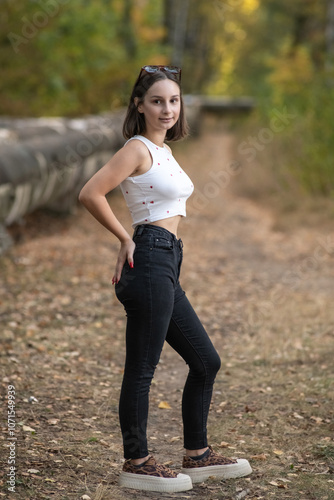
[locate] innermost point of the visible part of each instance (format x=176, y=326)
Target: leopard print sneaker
x=214, y=465
x=151, y=476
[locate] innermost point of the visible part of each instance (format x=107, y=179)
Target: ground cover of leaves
x=266, y=298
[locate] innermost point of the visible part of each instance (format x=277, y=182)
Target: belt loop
x=139, y=230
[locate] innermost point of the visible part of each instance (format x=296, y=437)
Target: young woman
x=146, y=280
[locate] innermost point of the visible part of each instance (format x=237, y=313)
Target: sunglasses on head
x=173, y=70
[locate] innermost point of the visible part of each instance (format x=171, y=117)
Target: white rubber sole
x=199, y=474
x=151, y=483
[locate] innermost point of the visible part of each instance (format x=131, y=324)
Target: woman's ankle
x=139, y=461
x=196, y=453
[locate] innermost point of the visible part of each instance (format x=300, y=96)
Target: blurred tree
x=127, y=34
x=241, y=46
x=191, y=27
x=70, y=58
x=298, y=80
x=179, y=31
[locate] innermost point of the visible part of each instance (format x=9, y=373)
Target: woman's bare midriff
x=171, y=224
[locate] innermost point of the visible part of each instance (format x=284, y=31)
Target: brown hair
x=134, y=123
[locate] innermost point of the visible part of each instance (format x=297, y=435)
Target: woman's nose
x=167, y=109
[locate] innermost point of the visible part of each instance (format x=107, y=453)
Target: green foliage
x=300, y=78
x=277, y=51
x=314, y=169
x=72, y=58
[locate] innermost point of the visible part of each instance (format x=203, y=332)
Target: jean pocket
x=163, y=243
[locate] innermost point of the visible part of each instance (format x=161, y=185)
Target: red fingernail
x=131, y=265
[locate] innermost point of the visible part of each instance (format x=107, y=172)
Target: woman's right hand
x=125, y=254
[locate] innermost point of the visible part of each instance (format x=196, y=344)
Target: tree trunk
x=170, y=7
x=127, y=32
x=179, y=32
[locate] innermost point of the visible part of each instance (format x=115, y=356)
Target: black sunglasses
x=173, y=70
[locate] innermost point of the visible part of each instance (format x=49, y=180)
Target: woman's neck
x=155, y=137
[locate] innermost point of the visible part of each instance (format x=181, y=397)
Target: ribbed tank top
x=159, y=193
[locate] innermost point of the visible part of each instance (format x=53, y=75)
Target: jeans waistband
x=156, y=230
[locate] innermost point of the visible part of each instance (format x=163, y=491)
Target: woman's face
x=161, y=105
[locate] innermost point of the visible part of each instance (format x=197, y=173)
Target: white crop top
x=159, y=193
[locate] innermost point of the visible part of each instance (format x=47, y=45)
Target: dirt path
x=266, y=298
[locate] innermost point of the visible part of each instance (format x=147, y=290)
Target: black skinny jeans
x=157, y=309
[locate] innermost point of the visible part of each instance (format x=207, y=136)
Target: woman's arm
x=93, y=196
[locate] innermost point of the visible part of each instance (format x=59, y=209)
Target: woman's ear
x=138, y=104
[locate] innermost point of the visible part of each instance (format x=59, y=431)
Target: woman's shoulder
x=136, y=146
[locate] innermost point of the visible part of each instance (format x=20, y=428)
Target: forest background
x=78, y=57
x=260, y=273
